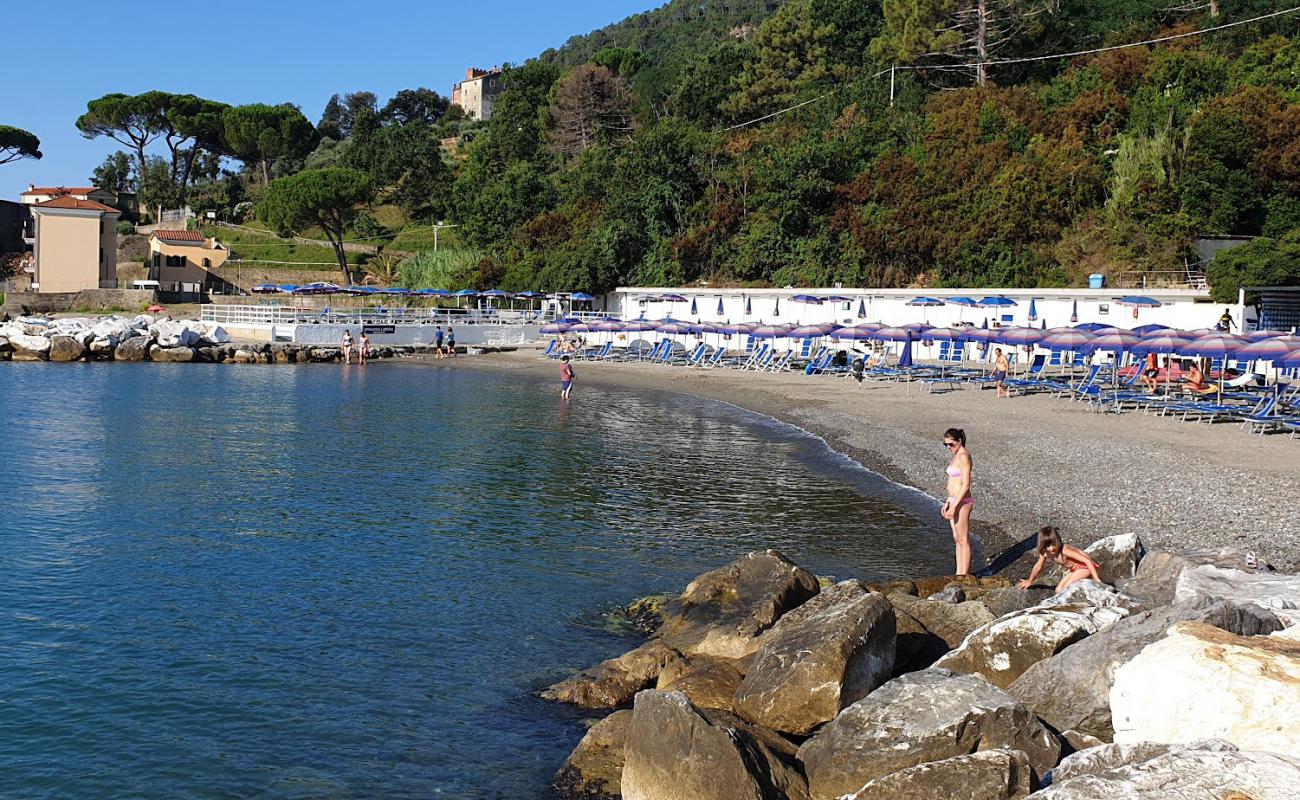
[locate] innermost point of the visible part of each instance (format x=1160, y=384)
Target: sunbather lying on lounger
x=1194, y=381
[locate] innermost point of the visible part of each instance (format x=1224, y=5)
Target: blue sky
x=238, y=51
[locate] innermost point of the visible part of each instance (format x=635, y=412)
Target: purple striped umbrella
x=892, y=335
x=1269, y=349
x=1147, y=330
x=736, y=327
x=982, y=334
x=706, y=327
x=1075, y=340
x=580, y=327
x=917, y=327
x=553, y=328
x=1109, y=331
x=609, y=326
x=640, y=326
x=1020, y=336
x=1219, y=344
x=854, y=334
x=811, y=331
x=946, y=334
x=1291, y=359
x=770, y=332
x=1118, y=342
x=674, y=328
x=1255, y=336
x=1060, y=329
x=1165, y=342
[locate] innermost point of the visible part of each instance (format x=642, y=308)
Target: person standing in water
x=566, y=377
x=957, y=508
x=347, y=346
x=451, y=341
x=363, y=348
x=437, y=340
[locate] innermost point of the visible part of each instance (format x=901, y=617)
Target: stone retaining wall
x=28, y=303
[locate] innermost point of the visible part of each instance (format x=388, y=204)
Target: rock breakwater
x=760, y=682
x=148, y=338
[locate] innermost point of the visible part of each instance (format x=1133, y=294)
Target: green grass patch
x=420, y=237
x=263, y=248
x=446, y=269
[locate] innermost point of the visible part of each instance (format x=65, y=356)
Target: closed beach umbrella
x=1074, y=312
x=776, y=311
x=719, y=306
x=862, y=308
x=905, y=357
x=1033, y=310
x=694, y=308
x=749, y=308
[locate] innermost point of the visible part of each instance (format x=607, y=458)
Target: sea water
x=345, y=582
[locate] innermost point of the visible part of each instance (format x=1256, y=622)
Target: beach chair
x=762, y=362
x=551, y=347
x=714, y=359
x=689, y=359
x=598, y=353
x=781, y=362
x=1032, y=378
x=757, y=353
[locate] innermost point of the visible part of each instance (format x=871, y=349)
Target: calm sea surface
x=324, y=582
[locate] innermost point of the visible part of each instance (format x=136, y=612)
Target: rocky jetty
x=761, y=683
x=147, y=338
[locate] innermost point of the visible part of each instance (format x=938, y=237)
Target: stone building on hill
x=478, y=92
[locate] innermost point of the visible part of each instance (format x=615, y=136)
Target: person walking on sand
x=566, y=377
x=347, y=346
x=451, y=341
x=1000, y=368
x=437, y=340
x=363, y=348
x=957, y=508
x=1077, y=564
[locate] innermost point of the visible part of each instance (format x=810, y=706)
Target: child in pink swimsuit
x=1077, y=564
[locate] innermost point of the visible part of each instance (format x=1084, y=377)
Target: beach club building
x=1188, y=309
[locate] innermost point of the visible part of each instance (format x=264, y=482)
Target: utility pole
x=891, y=85
x=437, y=226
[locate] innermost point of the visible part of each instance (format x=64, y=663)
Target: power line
x=1024, y=60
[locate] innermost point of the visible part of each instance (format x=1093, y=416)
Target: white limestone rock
x=29, y=348
x=1189, y=775
x=1106, y=757
x=1118, y=556
x=1200, y=682
x=1272, y=590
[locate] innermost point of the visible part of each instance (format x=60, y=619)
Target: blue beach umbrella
x=694, y=309
x=905, y=357
x=1033, y=311
x=670, y=298
x=1074, y=312
x=810, y=299
x=924, y=302
x=581, y=297
x=1044, y=325
x=529, y=293
x=464, y=293
x=997, y=302
x=962, y=301
x=719, y=306
x=838, y=298
x=776, y=311
x=749, y=309
x=1147, y=330
x=1091, y=326
x=917, y=327
x=1139, y=301
x=862, y=308
x=495, y=293
x=1291, y=359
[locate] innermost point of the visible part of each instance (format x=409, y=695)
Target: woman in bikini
x=956, y=509
x=1077, y=564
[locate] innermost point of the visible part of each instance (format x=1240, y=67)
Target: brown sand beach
x=1038, y=460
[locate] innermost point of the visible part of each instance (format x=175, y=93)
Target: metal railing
x=270, y=314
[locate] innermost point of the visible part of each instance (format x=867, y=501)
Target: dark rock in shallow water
x=1072, y=688
x=615, y=682
x=594, y=770
x=675, y=751
x=646, y=614
x=824, y=655
x=722, y=612
x=916, y=719
x=987, y=775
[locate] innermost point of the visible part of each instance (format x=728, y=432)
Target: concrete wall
x=330, y=335
x=132, y=300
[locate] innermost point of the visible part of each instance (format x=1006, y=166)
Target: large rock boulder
x=988, y=775
x=722, y=612
x=1001, y=602
x=29, y=348
x=824, y=655
x=594, y=770
x=1106, y=757
x=1157, y=574
x=133, y=349
x=675, y=751
x=928, y=629
x=709, y=682
x=1200, y=682
x=174, y=334
x=173, y=354
x=103, y=346
x=1117, y=556
x=66, y=348
x=1002, y=650
x=918, y=718
x=1071, y=690
x=614, y=682
x=1188, y=775
x=1275, y=591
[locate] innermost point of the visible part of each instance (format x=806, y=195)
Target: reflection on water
x=325, y=582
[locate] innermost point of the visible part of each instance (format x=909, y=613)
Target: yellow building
x=76, y=245
x=184, y=257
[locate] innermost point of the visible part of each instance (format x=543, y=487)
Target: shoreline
x=1038, y=460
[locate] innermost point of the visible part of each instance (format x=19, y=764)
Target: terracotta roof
x=57, y=190
x=180, y=236
x=74, y=203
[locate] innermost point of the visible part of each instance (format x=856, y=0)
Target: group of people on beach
x=957, y=508
x=444, y=342
x=363, y=346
